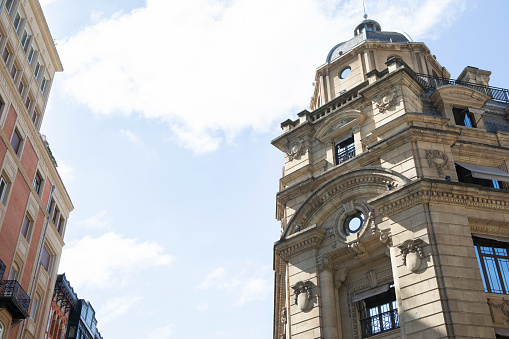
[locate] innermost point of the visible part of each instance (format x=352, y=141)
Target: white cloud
x=109, y=260
x=202, y=306
x=161, y=332
x=65, y=171
x=130, y=136
x=211, y=69
x=99, y=220
x=117, y=306
x=244, y=286
x=45, y=3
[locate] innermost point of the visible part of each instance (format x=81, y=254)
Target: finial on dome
x=365, y=16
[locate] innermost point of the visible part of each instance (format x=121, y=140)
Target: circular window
x=353, y=223
x=345, y=73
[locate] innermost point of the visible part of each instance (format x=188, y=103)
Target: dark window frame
x=381, y=322
x=344, y=150
x=463, y=117
x=465, y=175
x=497, y=259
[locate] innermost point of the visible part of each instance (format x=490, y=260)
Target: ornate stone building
x=34, y=204
x=393, y=200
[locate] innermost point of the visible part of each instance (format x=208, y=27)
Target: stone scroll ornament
x=302, y=292
x=295, y=148
x=438, y=160
x=412, y=254
x=385, y=98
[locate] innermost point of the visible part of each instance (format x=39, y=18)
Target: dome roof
x=367, y=30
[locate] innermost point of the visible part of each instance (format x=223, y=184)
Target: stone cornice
x=299, y=242
x=441, y=192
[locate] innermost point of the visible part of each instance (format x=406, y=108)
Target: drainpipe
x=40, y=251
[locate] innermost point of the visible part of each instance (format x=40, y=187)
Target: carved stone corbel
x=386, y=237
x=303, y=295
x=357, y=249
x=341, y=277
x=325, y=264
x=412, y=254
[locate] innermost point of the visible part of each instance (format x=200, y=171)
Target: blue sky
x=161, y=124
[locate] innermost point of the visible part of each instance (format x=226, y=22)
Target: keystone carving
x=412, y=253
x=385, y=98
x=302, y=292
x=438, y=160
x=295, y=148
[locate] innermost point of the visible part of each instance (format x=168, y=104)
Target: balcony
x=14, y=299
x=379, y=323
x=495, y=93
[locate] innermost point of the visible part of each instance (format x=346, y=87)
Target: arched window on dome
x=462, y=117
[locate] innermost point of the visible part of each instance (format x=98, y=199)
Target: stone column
x=328, y=303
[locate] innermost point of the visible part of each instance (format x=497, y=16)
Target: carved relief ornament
x=303, y=294
x=438, y=160
x=504, y=308
x=295, y=148
x=412, y=254
x=385, y=98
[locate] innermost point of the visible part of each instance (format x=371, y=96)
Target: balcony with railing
x=14, y=298
x=379, y=323
x=432, y=82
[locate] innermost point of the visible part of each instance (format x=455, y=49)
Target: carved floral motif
x=438, y=160
x=295, y=148
x=303, y=294
x=385, y=98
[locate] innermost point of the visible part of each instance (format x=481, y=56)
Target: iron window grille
x=379, y=313
x=493, y=260
x=345, y=150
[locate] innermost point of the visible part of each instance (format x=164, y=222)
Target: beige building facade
x=393, y=200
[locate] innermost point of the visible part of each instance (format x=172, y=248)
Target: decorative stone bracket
x=303, y=294
x=412, y=253
x=358, y=250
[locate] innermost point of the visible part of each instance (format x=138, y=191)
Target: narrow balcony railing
x=14, y=298
x=379, y=323
x=2, y=271
x=495, y=93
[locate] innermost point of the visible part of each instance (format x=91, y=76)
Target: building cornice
x=300, y=242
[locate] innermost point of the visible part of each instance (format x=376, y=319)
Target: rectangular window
x=3, y=188
x=35, y=306
x=379, y=313
x=35, y=117
x=44, y=83
x=16, y=141
x=345, y=150
x=17, y=21
x=30, y=55
x=8, y=5
x=5, y=54
x=25, y=227
x=21, y=87
x=481, y=175
x=13, y=274
x=37, y=70
x=493, y=260
x=462, y=117
x=61, y=224
x=24, y=39
x=55, y=216
x=45, y=258
x=37, y=182
x=28, y=101
x=14, y=70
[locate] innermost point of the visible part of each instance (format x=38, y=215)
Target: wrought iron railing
x=2, y=271
x=495, y=93
x=14, y=298
x=379, y=323
x=344, y=154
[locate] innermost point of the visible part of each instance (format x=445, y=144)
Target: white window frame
x=17, y=25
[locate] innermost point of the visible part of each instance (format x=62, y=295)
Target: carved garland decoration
x=504, y=307
x=303, y=294
x=385, y=98
x=295, y=148
x=412, y=246
x=438, y=160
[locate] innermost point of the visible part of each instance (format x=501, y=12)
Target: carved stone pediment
x=458, y=95
x=339, y=124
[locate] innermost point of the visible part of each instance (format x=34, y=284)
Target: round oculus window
x=354, y=223
x=345, y=73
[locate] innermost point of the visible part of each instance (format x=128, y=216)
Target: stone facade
x=393, y=183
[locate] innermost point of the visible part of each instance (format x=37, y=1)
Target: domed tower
x=393, y=201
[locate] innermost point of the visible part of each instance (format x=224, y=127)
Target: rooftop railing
x=495, y=93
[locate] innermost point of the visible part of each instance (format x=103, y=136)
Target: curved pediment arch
x=367, y=182
x=338, y=124
x=459, y=95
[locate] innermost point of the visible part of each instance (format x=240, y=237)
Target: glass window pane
x=492, y=273
x=480, y=267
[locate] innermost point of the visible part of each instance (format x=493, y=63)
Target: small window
x=51, y=206
x=13, y=273
x=35, y=117
x=353, y=223
x=30, y=55
x=28, y=101
x=37, y=70
x=345, y=150
x=55, y=215
x=21, y=87
x=14, y=70
x=35, y=307
x=5, y=54
x=37, y=182
x=44, y=83
x=466, y=175
x=17, y=21
x=345, y=73
x=16, y=141
x=493, y=260
x=61, y=225
x=24, y=39
x=379, y=313
x=3, y=189
x=25, y=227
x=462, y=117
x=8, y=7
x=45, y=259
